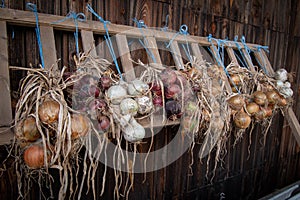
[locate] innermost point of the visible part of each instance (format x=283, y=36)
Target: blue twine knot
x=140, y=23
x=243, y=40
x=76, y=17
x=266, y=48
x=107, y=39
x=32, y=7
x=183, y=29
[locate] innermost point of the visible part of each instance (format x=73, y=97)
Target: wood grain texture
x=48, y=46
x=5, y=108
x=88, y=43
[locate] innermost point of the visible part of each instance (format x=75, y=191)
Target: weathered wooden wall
x=272, y=23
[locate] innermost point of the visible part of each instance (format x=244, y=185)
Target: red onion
x=168, y=76
x=104, y=123
x=155, y=88
x=34, y=156
x=94, y=91
x=105, y=82
x=173, y=91
x=157, y=101
x=173, y=108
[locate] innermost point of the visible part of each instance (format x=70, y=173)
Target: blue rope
x=243, y=60
x=183, y=30
x=263, y=66
x=218, y=58
x=32, y=7
x=3, y=4
x=76, y=17
x=141, y=24
x=107, y=39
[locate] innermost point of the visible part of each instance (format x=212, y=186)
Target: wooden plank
x=248, y=60
x=196, y=51
x=88, y=43
x=176, y=55
x=26, y=18
x=124, y=54
x=151, y=44
x=5, y=108
x=48, y=46
x=231, y=55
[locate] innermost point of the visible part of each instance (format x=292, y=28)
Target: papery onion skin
x=173, y=91
x=242, y=120
x=168, y=76
x=252, y=108
x=282, y=102
x=79, y=126
x=49, y=111
x=28, y=130
x=260, y=97
x=272, y=97
x=234, y=80
x=157, y=101
x=236, y=102
x=105, y=82
x=103, y=123
x=34, y=156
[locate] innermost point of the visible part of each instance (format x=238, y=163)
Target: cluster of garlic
x=282, y=83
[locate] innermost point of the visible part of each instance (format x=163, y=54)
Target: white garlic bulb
x=134, y=132
x=279, y=84
x=137, y=87
x=129, y=106
x=287, y=84
x=116, y=94
x=286, y=92
x=281, y=74
x=145, y=105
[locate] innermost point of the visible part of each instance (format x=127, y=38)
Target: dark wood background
x=272, y=23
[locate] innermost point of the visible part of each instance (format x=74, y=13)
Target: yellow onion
x=236, y=102
x=27, y=130
x=272, y=97
x=79, y=125
x=242, y=120
x=49, y=111
x=263, y=113
x=259, y=97
x=252, y=108
x=34, y=156
x=235, y=80
x=282, y=101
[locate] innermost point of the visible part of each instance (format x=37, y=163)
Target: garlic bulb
x=116, y=93
x=145, y=105
x=287, y=84
x=134, y=131
x=286, y=92
x=137, y=87
x=279, y=84
x=129, y=106
x=281, y=74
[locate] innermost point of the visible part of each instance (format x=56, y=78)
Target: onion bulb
x=252, y=108
x=27, y=130
x=103, y=123
x=242, y=120
x=137, y=87
x=259, y=97
x=79, y=125
x=134, y=132
x=272, y=97
x=235, y=80
x=49, y=111
x=173, y=108
x=105, y=82
x=173, y=91
x=157, y=101
x=129, y=106
x=116, y=93
x=34, y=156
x=236, y=102
x=168, y=76
x=145, y=105
x=282, y=101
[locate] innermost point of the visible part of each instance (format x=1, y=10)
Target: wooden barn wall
x=249, y=170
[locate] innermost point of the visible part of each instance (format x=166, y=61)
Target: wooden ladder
x=88, y=30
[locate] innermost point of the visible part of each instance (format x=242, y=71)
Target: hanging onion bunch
x=50, y=132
